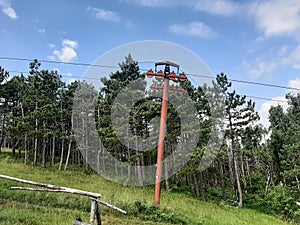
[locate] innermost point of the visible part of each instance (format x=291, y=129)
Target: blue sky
x=256, y=41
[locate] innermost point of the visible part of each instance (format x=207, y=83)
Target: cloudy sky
x=257, y=41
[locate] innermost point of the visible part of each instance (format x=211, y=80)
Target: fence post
x=98, y=216
x=95, y=212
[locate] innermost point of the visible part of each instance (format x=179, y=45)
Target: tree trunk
x=53, y=151
x=2, y=131
x=128, y=154
x=167, y=175
x=223, y=185
x=202, y=186
x=68, y=154
x=243, y=172
x=35, y=144
x=15, y=146
x=230, y=166
x=298, y=183
x=196, y=185
x=44, y=147
x=62, y=153
x=236, y=170
x=248, y=170
x=268, y=182
x=98, y=158
x=139, y=172
x=36, y=138
x=86, y=158
x=103, y=159
x=26, y=149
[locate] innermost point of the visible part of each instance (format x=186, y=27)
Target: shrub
x=156, y=214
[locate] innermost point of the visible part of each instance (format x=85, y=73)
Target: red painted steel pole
x=161, y=142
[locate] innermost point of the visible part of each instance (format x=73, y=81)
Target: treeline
x=36, y=116
x=36, y=123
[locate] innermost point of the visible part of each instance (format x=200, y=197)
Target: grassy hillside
x=24, y=207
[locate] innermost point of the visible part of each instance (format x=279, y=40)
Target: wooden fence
x=95, y=198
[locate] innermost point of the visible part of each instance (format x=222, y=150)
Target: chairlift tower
x=164, y=75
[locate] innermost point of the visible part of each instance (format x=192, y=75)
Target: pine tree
x=239, y=115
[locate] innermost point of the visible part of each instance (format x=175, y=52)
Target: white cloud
x=10, y=12
x=41, y=30
x=197, y=29
x=129, y=24
x=215, y=7
x=153, y=3
x=259, y=39
x=67, y=75
x=70, y=43
x=51, y=45
x=293, y=58
x=282, y=51
x=260, y=68
x=272, y=60
x=282, y=57
x=67, y=53
x=281, y=100
x=51, y=57
x=7, y=9
x=69, y=78
x=277, y=17
x=104, y=14
x=265, y=107
x=294, y=84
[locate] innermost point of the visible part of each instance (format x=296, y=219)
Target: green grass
x=25, y=207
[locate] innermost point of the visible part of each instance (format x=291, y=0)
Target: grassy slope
x=23, y=207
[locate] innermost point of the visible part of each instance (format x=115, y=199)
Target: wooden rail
x=95, y=212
